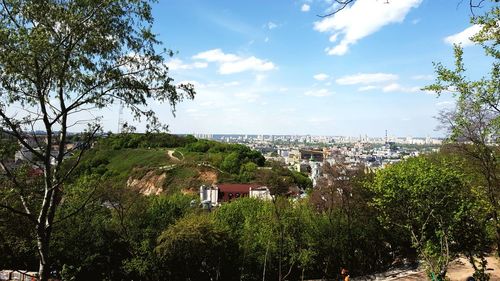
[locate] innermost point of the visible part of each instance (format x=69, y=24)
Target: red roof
x=236, y=187
x=35, y=172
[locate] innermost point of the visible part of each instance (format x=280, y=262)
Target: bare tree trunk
x=265, y=261
x=43, y=252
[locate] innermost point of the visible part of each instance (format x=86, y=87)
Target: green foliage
x=148, y=140
x=105, y=231
x=349, y=233
x=248, y=172
x=120, y=163
x=114, y=236
x=58, y=58
x=249, y=222
x=302, y=180
x=17, y=245
x=8, y=148
x=230, y=158
x=231, y=163
x=265, y=239
x=474, y=125
x=197, y=248
x=85, y=245
x=431, y=202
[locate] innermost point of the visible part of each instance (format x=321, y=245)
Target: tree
x=248, y=171
x=429, y=201
x=61, y=58
x=349, y=233
x=474, y=125
x=196, y=247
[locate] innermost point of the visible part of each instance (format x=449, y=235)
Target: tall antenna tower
x=120, y=119
x=386, y=138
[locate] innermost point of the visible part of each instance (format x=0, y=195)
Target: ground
x=459, y=270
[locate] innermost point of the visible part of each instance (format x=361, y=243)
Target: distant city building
x=314, y=155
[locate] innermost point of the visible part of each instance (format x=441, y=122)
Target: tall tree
x=474, y=124
x=59, y=58
x=428, y=201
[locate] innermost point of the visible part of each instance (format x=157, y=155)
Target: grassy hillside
x=154, y=164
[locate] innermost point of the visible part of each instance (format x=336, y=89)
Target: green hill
x=163, y=163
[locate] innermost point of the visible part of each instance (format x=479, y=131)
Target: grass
x=182, y=176
x=121, y=163
x=125, y=163
x=124, y=160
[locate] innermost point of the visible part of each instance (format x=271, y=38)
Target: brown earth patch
x=149, y=184
x=459, y=270
x=209, y=177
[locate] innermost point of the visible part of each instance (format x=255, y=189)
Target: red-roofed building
x=230, y=191
x=227, y=192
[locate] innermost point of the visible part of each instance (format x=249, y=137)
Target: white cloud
x=231, y=63
x=260, y=77
x=392, y=87
x=287, y=109
x=361, y=19
x=318, y=93
x=319, y=120
x=422, y=77
x=395, y=87
x=305, y=8
x=463, y=38
x=321, y=76
x=177, y=64
x=271, y=25
x=216, y=55
x=251, y=63
x=367, y=88
x=446, y=104
x=334, y=37
x=266, y=39
x=366, y=78
x=247, y=96
x=232, y=84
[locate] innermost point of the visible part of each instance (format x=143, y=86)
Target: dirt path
x=171, y=154
x=458, y=270
x=461, y=269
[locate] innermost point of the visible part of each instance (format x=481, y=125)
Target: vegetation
x=59, y=58
x=428, y=207
x=148, y=140
x=474, y=125
x=80, y=219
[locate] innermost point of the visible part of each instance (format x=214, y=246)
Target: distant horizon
x=40, y=132
x=312, y=135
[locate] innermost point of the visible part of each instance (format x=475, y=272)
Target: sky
x=276, y=67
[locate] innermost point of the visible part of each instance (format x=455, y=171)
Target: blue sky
x=275, y=67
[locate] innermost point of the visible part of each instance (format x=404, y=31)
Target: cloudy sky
x=275, y=67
